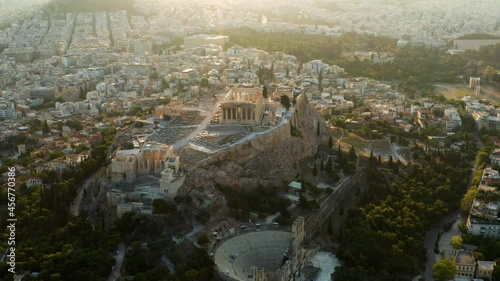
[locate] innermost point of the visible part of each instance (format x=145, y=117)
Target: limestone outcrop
x=268, y=159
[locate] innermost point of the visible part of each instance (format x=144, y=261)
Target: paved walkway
x=180, y=144
x=444, y=240
x=74, y=208
x=430, y=239
x=116, y=273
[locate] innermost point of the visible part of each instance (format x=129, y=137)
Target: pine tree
x=45, y=127
x=371, y=160
x=340, y=157
x=352, y=153
x=340, y=233
x=329, y=230
x=390, y=161
x=285, y=101
x=264, y=92
x=82, y=94
x=330, y=142
x=379, y=160
x=317, y=130
x=320, y=80
x=328, y=166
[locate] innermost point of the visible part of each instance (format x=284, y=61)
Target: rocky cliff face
x=266, y=160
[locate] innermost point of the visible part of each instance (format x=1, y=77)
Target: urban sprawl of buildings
x=81, y=73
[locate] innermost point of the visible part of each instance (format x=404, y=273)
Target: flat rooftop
x=464, y=257
x=128, y=152
x=155, y=146
x=485, y=265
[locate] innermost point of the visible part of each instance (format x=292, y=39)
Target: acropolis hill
x=266, y=158
x=240, y=139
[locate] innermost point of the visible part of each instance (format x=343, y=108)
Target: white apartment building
x=483, y=219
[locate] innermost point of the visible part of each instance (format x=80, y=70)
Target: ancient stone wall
x=269, y=159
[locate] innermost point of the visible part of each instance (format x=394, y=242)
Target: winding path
x=116, y=272
x=430, y=239
x=74, y=208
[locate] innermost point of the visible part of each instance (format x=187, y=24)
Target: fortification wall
x=243, y=152
x=268, y=159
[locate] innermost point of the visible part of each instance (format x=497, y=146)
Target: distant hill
x=478, y=36
x=86, y=6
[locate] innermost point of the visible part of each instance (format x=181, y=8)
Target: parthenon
x=243, y=105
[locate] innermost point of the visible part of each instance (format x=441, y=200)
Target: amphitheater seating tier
x=264, y=249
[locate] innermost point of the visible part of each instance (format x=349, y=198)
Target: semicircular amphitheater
x=265, y=249
x=262, y=255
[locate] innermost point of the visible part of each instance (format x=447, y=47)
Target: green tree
x=45, y=127
x=466, y=202
x=330, y=142
x=482, y=157
x=160, y=206
x=489, y=72
x=74, y=124
x=192, y=275
x=165, y=101
x=153, y=75
x=328, y=166
x=496, y=272
x=352, y=154
x=320, y=79
x=56, y=154
x=340, y=124
x=204, y=82
x=444, y=269
x=285, y=101
x=456, y=242
x=203, y=239
x=438, y=112
x=264, y=92
x=83, y=94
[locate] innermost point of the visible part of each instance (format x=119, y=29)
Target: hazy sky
x=9, y=9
